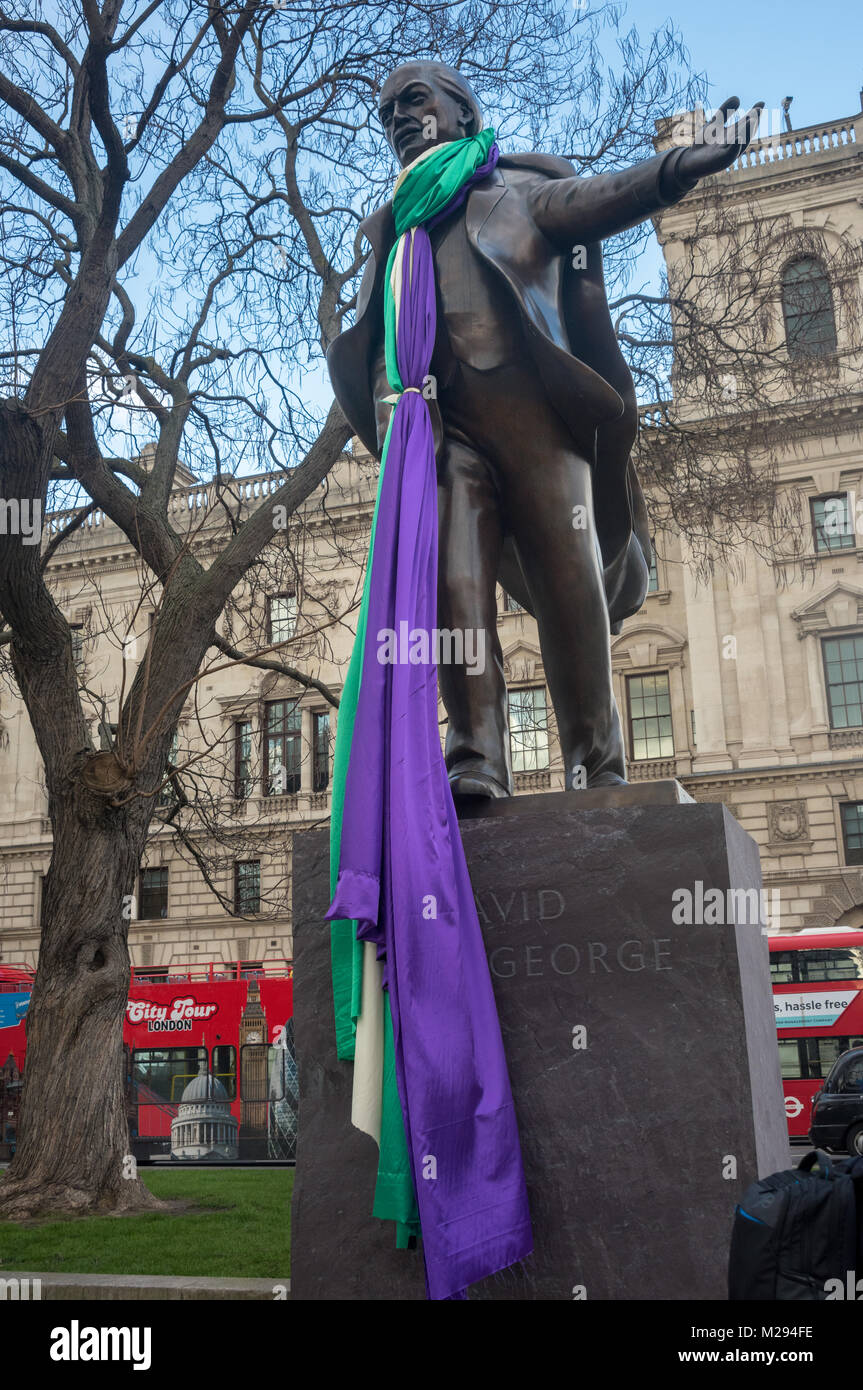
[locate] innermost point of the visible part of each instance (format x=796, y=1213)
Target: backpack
x=795, y=1230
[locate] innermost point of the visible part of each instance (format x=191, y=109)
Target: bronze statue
x=534, y=416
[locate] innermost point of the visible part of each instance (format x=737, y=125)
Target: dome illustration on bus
x=204, y=1126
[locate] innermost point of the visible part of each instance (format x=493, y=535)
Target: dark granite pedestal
x=642, y=1051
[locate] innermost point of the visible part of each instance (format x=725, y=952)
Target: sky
x=766, y=51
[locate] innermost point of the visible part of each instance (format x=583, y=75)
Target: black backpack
x=795, y=1230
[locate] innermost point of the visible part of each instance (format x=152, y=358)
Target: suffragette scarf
x=451, y=1157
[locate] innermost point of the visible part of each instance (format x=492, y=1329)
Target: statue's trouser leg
x=541, y=488
x=470, y=540
x=551, y=511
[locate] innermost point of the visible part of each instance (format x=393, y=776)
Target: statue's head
x=425, y=104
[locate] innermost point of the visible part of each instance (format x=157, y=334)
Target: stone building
x=748, y=686
x=757, y=675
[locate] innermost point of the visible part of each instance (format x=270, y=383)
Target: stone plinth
x=642, y=1052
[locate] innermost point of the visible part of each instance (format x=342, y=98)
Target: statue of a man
x=534, y=416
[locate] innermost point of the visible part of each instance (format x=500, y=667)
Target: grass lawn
x=243, y=1231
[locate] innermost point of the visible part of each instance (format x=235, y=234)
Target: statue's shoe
x=476, y=784
x=604, y=779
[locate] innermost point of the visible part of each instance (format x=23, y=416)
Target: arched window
x=807, y=305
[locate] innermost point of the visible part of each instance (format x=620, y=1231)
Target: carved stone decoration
x=523, y=662
x=787, y=820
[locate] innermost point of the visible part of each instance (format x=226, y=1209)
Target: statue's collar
x=379, y=231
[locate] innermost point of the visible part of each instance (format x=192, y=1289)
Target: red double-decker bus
x=817, y=981
x=208, y=1060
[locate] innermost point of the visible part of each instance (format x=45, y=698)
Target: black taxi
x=837, y=1109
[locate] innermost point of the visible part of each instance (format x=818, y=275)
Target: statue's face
x=417, y=112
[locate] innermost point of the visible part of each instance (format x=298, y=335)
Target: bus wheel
x=854, y=1140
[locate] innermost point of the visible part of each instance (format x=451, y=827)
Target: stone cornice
x=769, y=775
x=739, y=192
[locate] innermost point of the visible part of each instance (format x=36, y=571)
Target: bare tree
x=181, y=190
x=182, y=186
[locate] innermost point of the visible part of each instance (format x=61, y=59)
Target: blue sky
x=766, y=51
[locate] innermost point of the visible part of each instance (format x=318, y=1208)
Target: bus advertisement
x=208, y=1060
x=817, y=980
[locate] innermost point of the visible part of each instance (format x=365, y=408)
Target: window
x=282, y=748
x=852, y=831
x=277, y=1071
x=843, y=667
x=789, y=1059
x=816, y=964
x=851, y=1076
x=321, y=751
x=809, y=1059
x=262, y=1072
x=153, y=897
x=242, y=759
x=807, y=307
x=77, y=632
x=511, y=605
x=162, y=1074
x=653, y=577
x=254, y=1071
x=650, y=716
x=225, y=1068
x=528, y=729
x=832, y=528
x=281, y=617
x=247, y=886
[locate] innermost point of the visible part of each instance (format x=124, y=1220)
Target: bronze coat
x=526, y=233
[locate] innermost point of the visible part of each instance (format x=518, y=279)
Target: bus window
x=809, y=1059
x=782, y=967
x=165, y=1072
x=830, y=964
x=276, y=1062
x=816, y=965
x=789, y=1059
x=253, y=1071
x=819, y=1054
x=225, y=1068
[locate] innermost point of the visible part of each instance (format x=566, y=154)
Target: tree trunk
x=73, y=1129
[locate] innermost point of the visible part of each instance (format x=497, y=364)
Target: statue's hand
x=716, y=144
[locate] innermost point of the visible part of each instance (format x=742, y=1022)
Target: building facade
x=747, y=686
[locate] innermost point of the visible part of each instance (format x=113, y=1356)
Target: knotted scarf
x=450, y=1161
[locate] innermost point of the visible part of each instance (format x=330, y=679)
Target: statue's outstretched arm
x=576, y=210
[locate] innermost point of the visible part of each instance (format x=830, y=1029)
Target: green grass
x=247, y=1237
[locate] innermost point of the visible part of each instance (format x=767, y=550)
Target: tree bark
x=73, y=1130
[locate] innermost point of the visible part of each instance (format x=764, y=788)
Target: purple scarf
x=402, y=870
